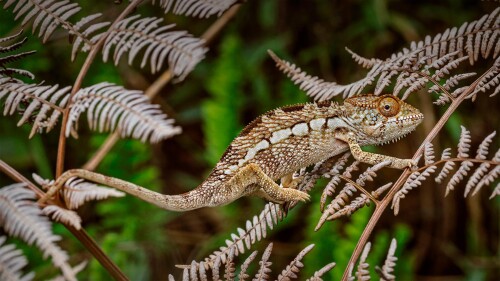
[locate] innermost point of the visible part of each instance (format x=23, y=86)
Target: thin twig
x=385, y=202
x=360, y=188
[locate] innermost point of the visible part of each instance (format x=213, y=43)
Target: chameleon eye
x=388, y=106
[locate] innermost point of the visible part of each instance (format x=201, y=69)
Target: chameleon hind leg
x=252, y=177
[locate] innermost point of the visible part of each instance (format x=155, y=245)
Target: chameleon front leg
x=373, y=158
x=265, y=187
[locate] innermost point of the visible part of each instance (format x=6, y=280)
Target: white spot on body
x=334, y=123
x=280, y=135
x=263, y=144
x=316, y=124
x=300, y=129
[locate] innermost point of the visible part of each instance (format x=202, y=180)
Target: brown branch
x=158, y=84
x=385, y=202
x=360, y=188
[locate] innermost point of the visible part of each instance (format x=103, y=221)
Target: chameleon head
x=381, y=119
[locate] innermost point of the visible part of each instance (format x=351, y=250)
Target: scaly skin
x=282, y=141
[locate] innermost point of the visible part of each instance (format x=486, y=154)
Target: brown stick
x=158, y=84
x=384, y=203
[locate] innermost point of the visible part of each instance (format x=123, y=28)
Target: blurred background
x=439, y=238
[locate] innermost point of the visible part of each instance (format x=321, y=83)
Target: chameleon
x=280, y=142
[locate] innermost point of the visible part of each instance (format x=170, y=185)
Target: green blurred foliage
x=233, y=85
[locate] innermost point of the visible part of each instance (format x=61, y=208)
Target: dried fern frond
x=196, y=8
x=4, y=70
x=242, y=276
x=229, y=268
x=255, y=230
x=490, y=177
x=363, y=272
x=386, y=273
x=38, y=104
x=264, y=270
x=85, y=33
x=318, y=274
x=480, y=37
x=488, y=81
x=342, y=205
x=77, y=192
x=482, y=175
x=482, y=153
x=463, y=152
x=21, y=217
x=197, y=271
x=291, y=270
x=110, y=107
x=12, y=261
x=136, y=34
x=46, y=15
x=413, y=181
x=63, y=215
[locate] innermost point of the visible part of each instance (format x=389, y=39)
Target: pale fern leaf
x=110, y=107
x=264, y=270
x=463, y=152
x=318, y=274
x=491, y=176
x=42, y=103
x=242, y=276
x=318, y=88
x=44, y=183
x=482, y=153
x=21, y=217
x=197, y=8
x=135, y=35
x=63, y=215
x=329, y=189
x=364, y=62
x=229, y=270
x=291, y=270
x=86, y=36
x=428, y=50
x=387, y=271
x=489, y=80
x=413, y=181
x=46, y=15
x=255, y=231
x=363, y=272
x=340, y=200
x=496, y=191
x=77, y=192
x=428, y=153
x=12, y=261
x=446, y=167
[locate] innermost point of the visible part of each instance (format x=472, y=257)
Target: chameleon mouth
x=410, y=118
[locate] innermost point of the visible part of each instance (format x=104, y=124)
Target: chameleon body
x=282, y=141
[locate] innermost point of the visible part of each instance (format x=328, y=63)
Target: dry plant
x=431, y=66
